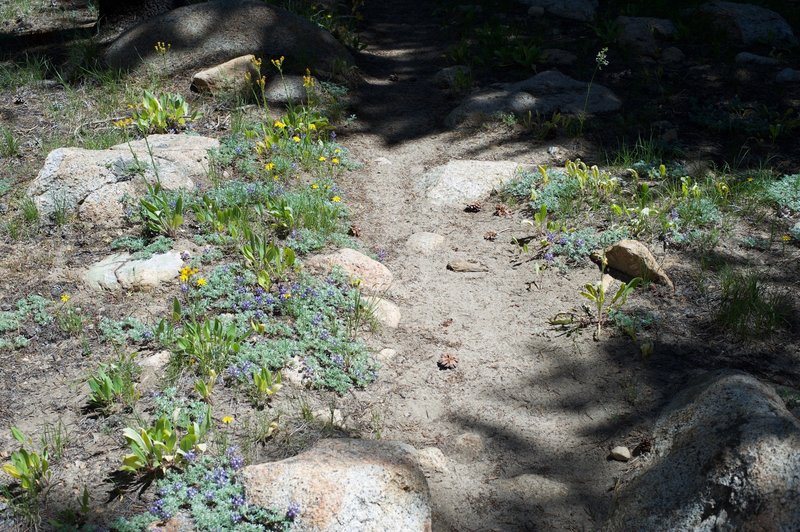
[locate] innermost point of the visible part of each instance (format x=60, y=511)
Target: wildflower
x=269, y=166
x=293, y=511
x=322, y=158
x=296, y=138
x=749, y=179
x=278, y=63
x=785, y=238
x=337, y=151
x=335, y=160
x=201, y=281
x=549, y=257
x=312, y=127
x=237, y=500
x=279, y=124
x=336, y=199
x=184, y=255
x=184, y=287
x=314, y=186
x=256, y=61
x=66, y=297
x=228, y=420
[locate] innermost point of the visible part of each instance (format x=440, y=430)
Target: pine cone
x=491, y=236
x=448, y=361
x=502, y=210
x=473, y=207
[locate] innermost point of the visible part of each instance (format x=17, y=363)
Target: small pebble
x=620, y=453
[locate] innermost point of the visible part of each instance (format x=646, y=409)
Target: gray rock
x=387, y=354
x=346, y=484
x=535, y=11
x=581, y=10
x=432, y=459
x=210, y=33
x=754, y=59
x=671, y=54
x=118, y=271
x=557, y=57
x=236, y=76
x=424, y=242
x=460, y=182
x=465, y=266
x=726, y=456
x=748, y=24
x=788, y=75
x=451, y=76
x=620, y=454
x=290, y=89
x=544, y=93
x=645, y=34
x=93, y=181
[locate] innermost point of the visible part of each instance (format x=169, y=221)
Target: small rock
x=288, y=89
x=424, y=242
x=382, y=161
x=373, y=276
x=535, y=11
x=330, y=417
x=463, y=266
x=432, y=459
x=754, y=59
x=152, y=369
x=788, y=75
x=346, y=484
x=450, y=77
x=620, y=454
x=580, y=10
x=631, y=257
x=470, y=445
x=230, y=77
x=672, y=54
x=386, y=355
x=385, y=312
x=293, y=374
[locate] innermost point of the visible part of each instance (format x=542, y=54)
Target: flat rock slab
x=372, y=275
x=749, y=24
x=465, y=266
x=459, y=182
x=543, y=93
x=425, y=242
x=346, y=484
x=581, y=10
x=118, y=271
x=93, y=181
x=207, y=34
x=726, y=456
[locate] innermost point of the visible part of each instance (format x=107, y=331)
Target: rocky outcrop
x=580, y=10
x=459, y=182
x=726, y=456
x=94, y=181
x=541, y=94
x=206, y=34
x=346, y=484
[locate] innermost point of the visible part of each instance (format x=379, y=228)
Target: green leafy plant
x=159, y=114
x=161, y=213
x=205, y=388
x=265, y=384
x=112, y=385
x=9, y=144
x=747, y=308
x=268, y=261
x=31, y=469
x=208, y=345
x=156, y=449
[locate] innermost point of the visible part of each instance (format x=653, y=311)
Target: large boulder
x=93, y=181
x=207, y=34
x=346, y=484
x=725, y=456
x=580, y=10
x=541, y=94
x=748, y=24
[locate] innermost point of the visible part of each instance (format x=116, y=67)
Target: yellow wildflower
x=786, y=238
x=201, y=282
x=314, y=186
x=287, y=295
x=185, y=273
x=269, y=166
x=749, y=179
x=65, y=298
x=335, y=160
x=247, y=76
x=228, y=420
x=256, y=62
x=279, y=124
x=336, y=199
x=337, y=151
x=278, y=63
x=322, y=158
x=296, y=138
x=312, y=127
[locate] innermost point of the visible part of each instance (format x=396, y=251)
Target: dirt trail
x=525, y=420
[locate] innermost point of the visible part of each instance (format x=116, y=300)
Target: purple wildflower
x=184, y=256
x=549, y=257
x=293, y=511
x=237, y=500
